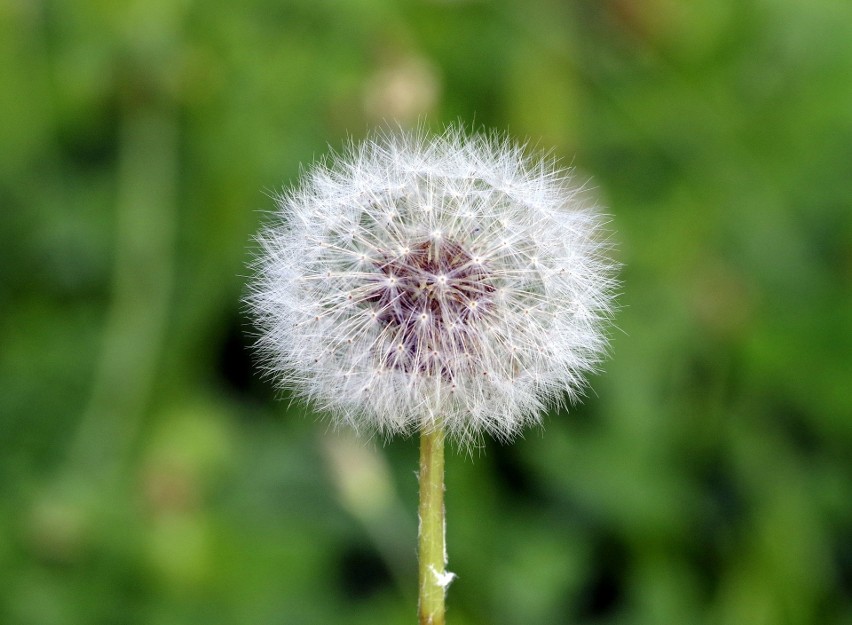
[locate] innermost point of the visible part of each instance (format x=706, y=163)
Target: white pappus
x=419, y=281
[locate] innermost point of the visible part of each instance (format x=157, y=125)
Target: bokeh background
x=148, y=476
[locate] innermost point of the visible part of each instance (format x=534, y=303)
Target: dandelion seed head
x=415, y=281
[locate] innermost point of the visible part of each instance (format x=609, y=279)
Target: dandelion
x=451, y=286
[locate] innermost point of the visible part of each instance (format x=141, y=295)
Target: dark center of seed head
x=428, y=297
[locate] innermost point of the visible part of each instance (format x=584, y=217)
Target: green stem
x=432, y=548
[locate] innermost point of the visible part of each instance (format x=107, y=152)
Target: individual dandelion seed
x=447, y=285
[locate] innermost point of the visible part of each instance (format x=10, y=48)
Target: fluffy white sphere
x=415, y=281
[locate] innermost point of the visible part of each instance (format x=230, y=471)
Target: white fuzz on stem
x=415, y=282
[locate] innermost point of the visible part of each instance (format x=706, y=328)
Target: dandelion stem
x=432, y=548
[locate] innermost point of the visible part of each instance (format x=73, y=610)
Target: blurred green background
x=147, y=476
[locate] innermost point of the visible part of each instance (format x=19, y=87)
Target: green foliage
x=148, y=476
